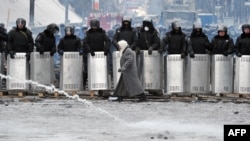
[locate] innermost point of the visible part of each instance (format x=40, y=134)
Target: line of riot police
x=145, y=41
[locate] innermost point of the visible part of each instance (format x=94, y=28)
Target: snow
x=46, y=12
x=67, y=120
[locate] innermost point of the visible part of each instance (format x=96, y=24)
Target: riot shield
x=174, y=74
x=71, y=72
x=116, y=65
x=222, y=74
x=242, y=75
x=41, y=69
x=98, y=72
x=18, y=68
x=151, y=70
x=198, y=74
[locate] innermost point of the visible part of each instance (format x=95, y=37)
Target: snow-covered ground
x=46, y=12
x=70, y=120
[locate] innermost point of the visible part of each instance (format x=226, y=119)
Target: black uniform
x=222, y=44
x=127, y=33
x=198, y=42
x=69, y=44
x=148, y=38
x=20, y=40
x=175, y=40
x=242, y=45
x=3, y=38
x=96, y=40
x=46, y=41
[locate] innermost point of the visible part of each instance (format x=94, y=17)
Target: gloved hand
x=238, y=54
x=160, y=51
x=182, y=55
x=191, y=55
x=52, y=53
x=105, y=53
x=92, y=53
x=81, y=52
x=41, y=50
x=60, y=52
x=27, y=56
x=121, y=70
x=150, y=51
x=225, y=53
x=137, y=50
x=12, y=54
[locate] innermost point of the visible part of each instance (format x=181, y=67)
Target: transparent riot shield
x=71, y=71
x=116, y=65
x=242, y=75
x=41, y=70
x=18, y=69
x=151, y=70
x=198, y=74
x=222, y=74
x=98, y=72
x=174, y=74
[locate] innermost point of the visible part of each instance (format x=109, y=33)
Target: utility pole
x=66, y=11
x=32, y=13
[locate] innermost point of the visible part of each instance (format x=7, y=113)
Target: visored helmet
x=94, y=23
x=244, y=26
x=21, y=21
x=53, y=28
x=176, y=25
x=69, y=29
x=126, y=18
x=222, y=28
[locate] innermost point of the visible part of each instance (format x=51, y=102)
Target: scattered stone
x=236, y=112
x=152, y=137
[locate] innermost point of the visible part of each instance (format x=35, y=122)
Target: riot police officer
x=45, y=41
x=175, y=40
x=3, y=38
x=95, y=40
x=20, y=39
x=126, y=32
x=222, y=43
x=242, y=45
x=148, y=37
x=198, y=42
x=70, y=42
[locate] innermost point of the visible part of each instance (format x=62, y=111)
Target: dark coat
x=3, y=39
x=242, y=44
x=198, y=44
x=176, y=42
x=148, y=39
x=129, y=83
x=222, y=45
x=70, y=44
x=46, y=42
x=127, y=34
x=96, y=40
x=20, y=40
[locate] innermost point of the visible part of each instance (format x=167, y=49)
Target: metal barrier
x=98, y=72
x=71, y=72
x=242, y=74
x=174, y=74
x=18, y=68
x=41, y=69
x=222, y=74
x=198, y=74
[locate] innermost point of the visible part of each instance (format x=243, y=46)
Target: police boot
x=142, y=97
